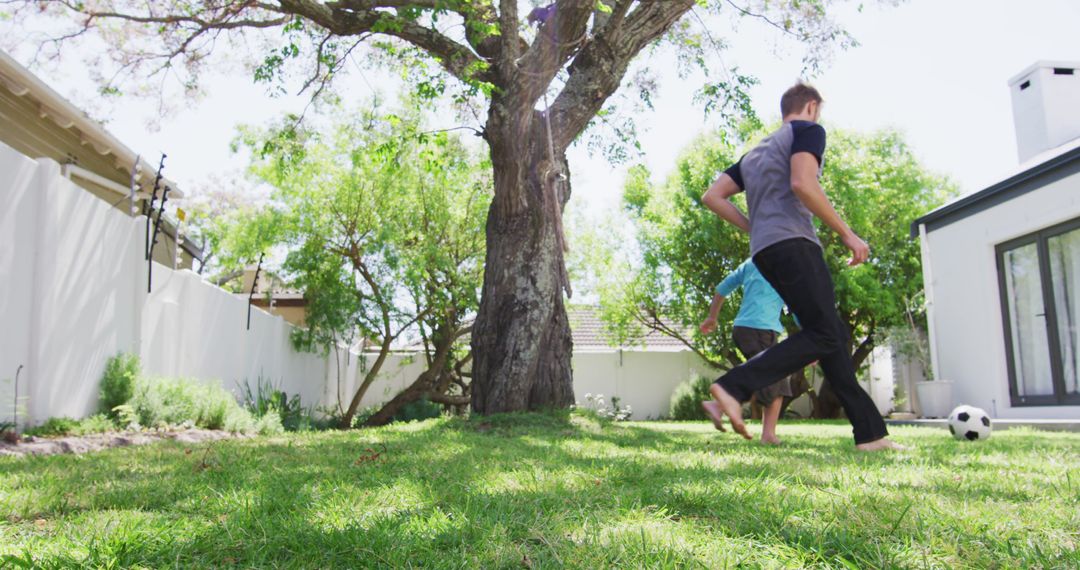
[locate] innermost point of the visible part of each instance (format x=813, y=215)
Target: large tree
x=542, y=85
x=876, y=184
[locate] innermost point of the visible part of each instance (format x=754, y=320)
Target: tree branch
x=558, y=38
x=654, y=323
x=599, y=67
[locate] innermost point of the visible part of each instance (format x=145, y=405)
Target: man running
x=780, y=177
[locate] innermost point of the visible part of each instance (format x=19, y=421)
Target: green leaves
x=381, y=222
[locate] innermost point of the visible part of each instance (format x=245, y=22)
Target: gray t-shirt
x=764, y=173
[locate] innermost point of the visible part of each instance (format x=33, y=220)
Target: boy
x=756, y=328
x=780, y=177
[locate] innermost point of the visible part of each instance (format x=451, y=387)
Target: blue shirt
x=761, y=304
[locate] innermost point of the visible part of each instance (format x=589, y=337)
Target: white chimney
x=1046, y=106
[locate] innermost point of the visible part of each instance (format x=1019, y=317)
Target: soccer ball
x=970, y=423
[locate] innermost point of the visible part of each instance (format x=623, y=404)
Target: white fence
x=73, y=293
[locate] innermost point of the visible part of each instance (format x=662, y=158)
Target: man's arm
x=709, y=324
x=718, y=199
x=804, y=183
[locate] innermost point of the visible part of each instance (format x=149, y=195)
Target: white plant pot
x=935, y=398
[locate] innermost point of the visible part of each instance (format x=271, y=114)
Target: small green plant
x=59, y=427
x=126, y=416
x=97, y=423
x=54, y=427
x=687, y=397
x=118, y=381
x=421, y=409
x=269, y=424
x=162, y=402
x=265, y=397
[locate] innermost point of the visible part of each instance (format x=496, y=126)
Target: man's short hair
x=797, y=97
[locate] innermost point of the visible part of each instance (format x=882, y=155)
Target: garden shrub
x=687, y=397
x=269, y=423
x=97, y=423
x=421, y=409
x=54, y=427
x=159, y=402
x=265, y=398
x=59, y=427
x=118, y=382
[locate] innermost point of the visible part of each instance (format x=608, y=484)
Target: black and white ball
x=969, y=423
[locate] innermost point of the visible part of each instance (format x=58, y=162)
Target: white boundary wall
x=73, y=294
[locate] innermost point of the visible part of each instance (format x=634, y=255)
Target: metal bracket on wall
x=150, y=206
x=15, y=400
x=254, y=284
x=153, y=239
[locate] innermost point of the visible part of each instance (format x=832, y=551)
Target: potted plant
x=934, y=395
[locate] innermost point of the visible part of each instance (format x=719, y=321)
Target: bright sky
x=934, y=69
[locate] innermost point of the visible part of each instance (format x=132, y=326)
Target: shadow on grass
x=550, y=490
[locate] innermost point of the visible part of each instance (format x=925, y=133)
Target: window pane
x=1027, y=319
x=1065, y=274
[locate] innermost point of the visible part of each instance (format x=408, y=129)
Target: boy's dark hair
x=795, y=98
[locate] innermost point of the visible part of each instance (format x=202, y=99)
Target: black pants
x=796, y=269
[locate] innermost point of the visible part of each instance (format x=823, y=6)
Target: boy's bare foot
x=770, y=440
x=712, y=409
x=883, y=444
x=731, y=408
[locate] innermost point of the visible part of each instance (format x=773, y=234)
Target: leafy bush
x=266, y=398
x=421, y=409
x=59, y=427
x=159, y=402
x=54, y=427
x=269, y=423
x=97, y=423
x=118, y=382
x=687, y=397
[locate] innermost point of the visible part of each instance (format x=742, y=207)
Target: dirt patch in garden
x=99, y=441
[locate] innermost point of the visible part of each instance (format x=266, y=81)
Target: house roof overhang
x=1063, y=162
x=71, y=122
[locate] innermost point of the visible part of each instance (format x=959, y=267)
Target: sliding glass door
x=1039, y=278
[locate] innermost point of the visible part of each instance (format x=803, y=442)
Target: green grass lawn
x=546, y=492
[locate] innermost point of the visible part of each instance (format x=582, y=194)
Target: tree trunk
x=431, y=383
x=521, y=340
x=799, y=386
x=369, y=378
x=827, y=405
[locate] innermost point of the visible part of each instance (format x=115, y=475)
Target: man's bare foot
x=770, y=439
x=883, y=444
x=712, y=409
x=731, y=408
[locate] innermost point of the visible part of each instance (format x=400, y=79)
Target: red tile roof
x=589, y=333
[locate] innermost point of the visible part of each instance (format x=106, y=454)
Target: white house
x=1002, y=266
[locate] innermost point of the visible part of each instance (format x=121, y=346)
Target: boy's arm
x=717, y=199
x=709, y=325
x=804, y=183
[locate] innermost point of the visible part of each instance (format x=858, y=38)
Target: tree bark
x=521, y=341
x=827, y=405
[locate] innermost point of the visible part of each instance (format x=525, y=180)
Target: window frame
x=1041, y=240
